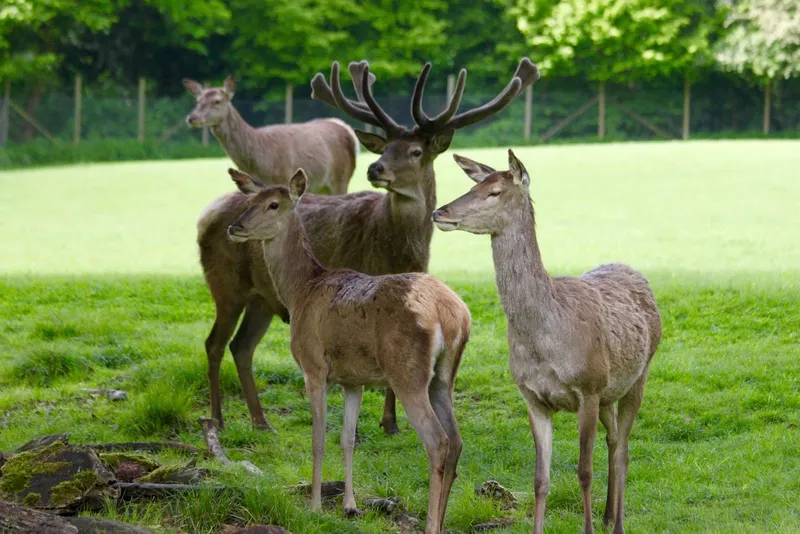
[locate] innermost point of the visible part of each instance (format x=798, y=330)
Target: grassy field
x=100, y=286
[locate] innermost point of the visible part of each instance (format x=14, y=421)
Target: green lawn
x=100, y=286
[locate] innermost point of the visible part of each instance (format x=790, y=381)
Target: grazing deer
x=577, y=344
x=325, y=148
x=370, y=232
x=407, y=331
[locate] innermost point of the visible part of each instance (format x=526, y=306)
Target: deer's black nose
x=232, y=229
x=375, y=170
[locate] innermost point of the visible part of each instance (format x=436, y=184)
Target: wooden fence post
x=767, y=106
x=687, y=106
x=528, y=112
x=140, y=130
x=289, y=103
x=76, y=132
x=4, y=113
x=601, y=111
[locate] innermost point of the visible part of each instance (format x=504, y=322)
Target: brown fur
x=407, y=331
x=577, y=344
x=326, y=148
x=369, y=232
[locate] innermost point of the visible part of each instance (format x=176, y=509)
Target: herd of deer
x=349, y=270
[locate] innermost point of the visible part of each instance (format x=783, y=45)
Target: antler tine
x=440, y=120
x=354, y=109
x=527, y=74
x=495, y=105
x=387, y=123
x=419, y=116
x=356, y=72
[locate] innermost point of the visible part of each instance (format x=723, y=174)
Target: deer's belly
x=353, y=366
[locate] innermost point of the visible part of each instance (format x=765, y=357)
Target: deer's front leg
x=318, y=397
x=541, y=421
x=352, y=405
x=587, y=430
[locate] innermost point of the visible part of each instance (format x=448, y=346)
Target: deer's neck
x=525, y=288
x=410, y=211
x=236, y=137
x=291, y=262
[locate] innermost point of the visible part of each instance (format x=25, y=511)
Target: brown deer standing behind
x=325, y=148
x=576, y=344
x=407, y=331
x=370, y=232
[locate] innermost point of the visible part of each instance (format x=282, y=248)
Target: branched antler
x=366, y=108
x=527, y=74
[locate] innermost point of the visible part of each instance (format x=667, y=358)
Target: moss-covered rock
x=113, y=460
x=56, y=476
x=188, y=474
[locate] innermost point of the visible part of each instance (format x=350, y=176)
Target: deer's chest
x=541, y=377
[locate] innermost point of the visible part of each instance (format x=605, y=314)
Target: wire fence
x=547, y=113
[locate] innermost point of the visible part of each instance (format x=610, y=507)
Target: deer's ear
x=478, y=172
x=297, y=185
x=230, y=86
x=372, y=142
x=518, y=170
x=246, y=183
x=194, y=88
x=441, y=141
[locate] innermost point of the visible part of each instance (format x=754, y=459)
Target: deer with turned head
x=325, y=148
x=370, y=232
x=576, y=344
x=407, y=331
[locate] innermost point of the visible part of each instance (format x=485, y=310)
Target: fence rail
x=548, y=112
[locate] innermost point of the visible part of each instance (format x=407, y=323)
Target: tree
x=615, y=40
x=763, y=42
x=291, y=40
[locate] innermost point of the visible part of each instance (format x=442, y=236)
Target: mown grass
x=715, y=445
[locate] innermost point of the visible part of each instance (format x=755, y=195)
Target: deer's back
x=324, y=148
x=362, y=326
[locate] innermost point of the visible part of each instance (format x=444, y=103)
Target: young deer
x=325, y=148
x=370, y=232
x=577, y=344
x=405, y=330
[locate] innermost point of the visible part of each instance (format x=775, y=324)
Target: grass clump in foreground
x=713, y=449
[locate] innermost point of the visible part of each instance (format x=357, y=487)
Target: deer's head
x=212, y=102
x=406, y=154
x=269, y=208
x=489, y=206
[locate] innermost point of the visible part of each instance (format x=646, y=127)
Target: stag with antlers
x=374, y=233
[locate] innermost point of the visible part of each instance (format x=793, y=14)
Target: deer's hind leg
x=628, y=407
x=608, y=416
x=257, y=318
x=389, y=419
x=441, y=395
x=224, y=325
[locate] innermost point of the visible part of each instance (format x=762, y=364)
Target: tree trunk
x=767, y=106
x=5, y=115
x=289, y=104
x=140, y=129
x=76, y=132
x=687, y=106
x=33, y=104
x=18, y=519
x=601, y=111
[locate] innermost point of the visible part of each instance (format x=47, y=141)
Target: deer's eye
x=416, y=153
x=273, y=206
x=217, y=101
x=494, y=193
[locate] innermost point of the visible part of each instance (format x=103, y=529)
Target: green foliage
x=763, y=39
x=43, y=367
x=619, y=40
x=161, y=409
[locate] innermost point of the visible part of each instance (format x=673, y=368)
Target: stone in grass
x=407, y=523
x=493, y=524
x=382, y=504
x=128, y=466
x=493, y=490
x=57, y=477
x=330, y=490
x=254, y=529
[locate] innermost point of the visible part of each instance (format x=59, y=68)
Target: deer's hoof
x=390, y=428
x=264, y=426
x=352, y=512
